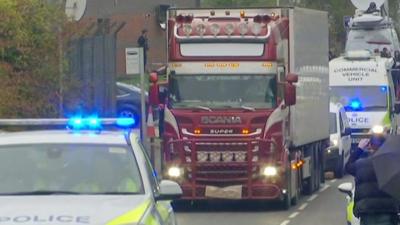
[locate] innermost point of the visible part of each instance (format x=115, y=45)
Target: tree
x=30, y=59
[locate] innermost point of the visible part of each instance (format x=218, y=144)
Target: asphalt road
x=327, y=207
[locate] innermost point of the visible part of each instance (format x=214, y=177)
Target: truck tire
x=339, y=171
x=286, y=202
x=318, y=169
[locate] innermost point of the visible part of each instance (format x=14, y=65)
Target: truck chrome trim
x=211, y=38
x=186, y=132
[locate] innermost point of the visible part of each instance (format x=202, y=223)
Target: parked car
x=338, y=152
x=128, y=100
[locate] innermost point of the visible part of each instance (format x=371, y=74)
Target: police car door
x=164, y=211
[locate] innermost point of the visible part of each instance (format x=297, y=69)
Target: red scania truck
x=247, y=106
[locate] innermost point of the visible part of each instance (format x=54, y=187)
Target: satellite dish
x=75, y=9
x=364, y=4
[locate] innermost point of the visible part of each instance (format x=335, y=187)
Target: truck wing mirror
x=292, y=78
x=290, y=94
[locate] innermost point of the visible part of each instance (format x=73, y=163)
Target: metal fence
x=92, y=61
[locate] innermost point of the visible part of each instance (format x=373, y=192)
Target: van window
x=332, y=123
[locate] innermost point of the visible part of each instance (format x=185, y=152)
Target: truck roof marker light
x=243, y=28
x=201, y=29
x=266, y=19
x=229, y=29
x=215, y=29
x=179, y=19
x=242, y=14
x=256, y=29
x=258, y=19
x=227, y=13
x=187, y=29
x=188, y=19
x=212, y=13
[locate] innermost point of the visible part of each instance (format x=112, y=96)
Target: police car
x=80, y=175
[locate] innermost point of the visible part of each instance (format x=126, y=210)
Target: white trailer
x=309, y=118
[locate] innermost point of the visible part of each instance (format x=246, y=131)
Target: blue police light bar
x=126, y=122
x=355, y=104
x=74, y=123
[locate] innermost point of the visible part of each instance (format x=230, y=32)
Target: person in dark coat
x=372, y=8
x=143, y=42
x=371, y=205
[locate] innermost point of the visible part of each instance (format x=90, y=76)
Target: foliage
x=30, y=62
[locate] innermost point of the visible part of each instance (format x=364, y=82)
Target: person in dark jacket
x=143, y=42
x=371, y=205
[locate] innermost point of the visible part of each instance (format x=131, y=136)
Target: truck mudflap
x=228, y=169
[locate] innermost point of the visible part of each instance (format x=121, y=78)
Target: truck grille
x=220, y=152
x=223, y=174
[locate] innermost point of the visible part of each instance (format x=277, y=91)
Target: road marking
x=302, y=207
x=324, y=188
x=294, y=215
x=314, y=196
x=333, y=181
x=286, y=222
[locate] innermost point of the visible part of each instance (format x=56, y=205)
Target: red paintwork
x=256, y=187
x=221, y=174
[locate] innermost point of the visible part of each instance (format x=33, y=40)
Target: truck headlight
x=378, y=129
x=269, y=171
x=175, y=172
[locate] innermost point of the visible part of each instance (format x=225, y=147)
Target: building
x=137, y=14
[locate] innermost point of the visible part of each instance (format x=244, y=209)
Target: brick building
x=137, y=14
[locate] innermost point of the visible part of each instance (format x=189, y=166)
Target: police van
x=84, y=174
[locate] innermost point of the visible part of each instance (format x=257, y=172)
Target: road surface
x=327, y=207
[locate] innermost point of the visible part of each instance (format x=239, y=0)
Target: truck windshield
x=221, y=91
x=43, y=169
x=369, y=98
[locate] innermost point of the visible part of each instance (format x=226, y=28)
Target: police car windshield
x=42, y=169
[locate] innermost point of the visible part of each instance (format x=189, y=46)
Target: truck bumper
x=257, y=191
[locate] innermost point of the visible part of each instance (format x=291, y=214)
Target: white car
x=337, y=154
x=74, y=176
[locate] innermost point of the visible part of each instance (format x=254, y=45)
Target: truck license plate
x=230, y=192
